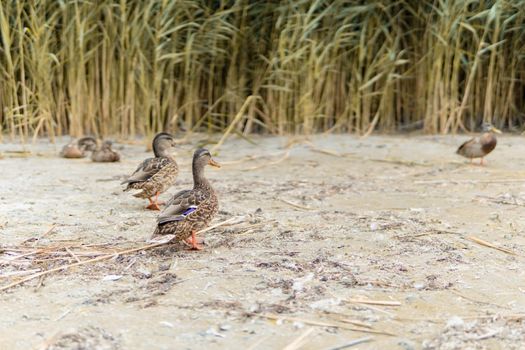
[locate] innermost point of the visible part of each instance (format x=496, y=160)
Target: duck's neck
x=199, y=180
x=161, y=152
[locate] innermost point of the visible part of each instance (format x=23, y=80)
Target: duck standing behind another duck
x=155, y=175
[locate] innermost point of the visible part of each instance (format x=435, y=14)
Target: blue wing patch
x=180, y=217
x=186, y=212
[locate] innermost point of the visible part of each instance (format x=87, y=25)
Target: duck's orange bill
x=214, y=163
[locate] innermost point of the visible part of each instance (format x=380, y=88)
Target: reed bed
x=127, y=68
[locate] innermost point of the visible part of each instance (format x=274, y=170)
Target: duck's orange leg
x=193, y=241
x=154, y=205
x=481, y=162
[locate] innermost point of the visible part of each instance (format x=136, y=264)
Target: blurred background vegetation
x=125, y=68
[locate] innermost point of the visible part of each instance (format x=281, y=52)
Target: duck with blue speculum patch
x=190, y=210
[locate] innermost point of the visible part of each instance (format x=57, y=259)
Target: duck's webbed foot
x=192, y=241
x=153, y=205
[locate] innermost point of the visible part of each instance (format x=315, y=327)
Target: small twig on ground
x=299, y=206
x=395, y=161
x=516, y=317
x=64, y=314
x=341, y=317
x=283, y=158
x=490, y=245
x=257, y=343
x=318, y=323
x=41, y=236
x=430, y=182
x=371, y=307
x=72, y=254
x=251, y=157
x=299, y=341
x=352, y=343
x=374, y=302
x=432, y=232
x=458, y=293
x=18, y=273
x=488, y=335
x=330, y=152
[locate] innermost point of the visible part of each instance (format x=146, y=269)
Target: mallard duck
x=105, y=153
x=480, y=146
x=79, y=148
x=190, y=210
x=155, y=175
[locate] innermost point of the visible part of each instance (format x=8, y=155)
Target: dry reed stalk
x=280, y=160
x=332, y=66
x=257, y=343
x=374, y=302
x=458, y=293
x=353, y=343
x=490, y=245
x=295, y=205
x=299, y=341
x=430, y=182
x=343, y=318
x=318, y=323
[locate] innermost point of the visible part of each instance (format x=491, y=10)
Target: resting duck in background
x=79, y=148
x=155, y=175
x=480, y=146
x=105, y=153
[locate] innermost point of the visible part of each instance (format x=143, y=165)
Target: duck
x=155, y=175
x=480, y=146
x=105, y=153
x=79, y=148
x=189, y=211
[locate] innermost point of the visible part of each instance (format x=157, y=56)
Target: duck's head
x=488, y=127
x=87, y=143
x=107, y=144
x=162, y=143
x=202, y=157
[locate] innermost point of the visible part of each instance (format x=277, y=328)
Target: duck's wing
x=467, y=146
x=181, y=206
x=147, y=169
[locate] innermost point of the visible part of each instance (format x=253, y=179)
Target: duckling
x=105, y=153
x=189, y=211
x=155, y=175
x=79, y=148
x=480, y=146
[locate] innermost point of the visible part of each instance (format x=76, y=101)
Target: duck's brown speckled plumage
x=160, y=174
x=78, y=148
x=190, y=210
x=155, y=175
x=105, y=154
x=479, y=147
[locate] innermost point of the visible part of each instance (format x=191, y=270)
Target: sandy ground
x=324, y=225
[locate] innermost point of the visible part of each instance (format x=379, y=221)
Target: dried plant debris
x=486, y=333
x=92, y=338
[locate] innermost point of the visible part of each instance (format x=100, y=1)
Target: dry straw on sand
x=257, y=66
